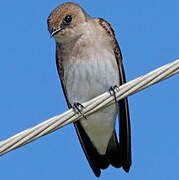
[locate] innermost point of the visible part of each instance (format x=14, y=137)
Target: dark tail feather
x=113, y=153
x=95, y=160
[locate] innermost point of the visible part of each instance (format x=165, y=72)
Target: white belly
x=85, y=80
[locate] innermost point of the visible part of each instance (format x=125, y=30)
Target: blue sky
x=148, y=34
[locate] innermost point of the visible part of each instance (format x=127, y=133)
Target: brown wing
x=124, y=119
x=95, y=160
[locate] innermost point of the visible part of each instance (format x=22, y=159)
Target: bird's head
x=66, y=22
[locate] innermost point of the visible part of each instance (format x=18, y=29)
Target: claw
x=112, y=91
x=77, y=108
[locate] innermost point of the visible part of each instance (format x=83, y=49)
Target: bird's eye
x=67, y=20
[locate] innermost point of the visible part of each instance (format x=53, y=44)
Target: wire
x=91, y=106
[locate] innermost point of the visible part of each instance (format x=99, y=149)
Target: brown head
x=66, y=22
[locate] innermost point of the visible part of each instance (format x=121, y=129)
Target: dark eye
x=67, y=20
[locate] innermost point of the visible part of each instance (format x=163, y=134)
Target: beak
x=55, y=32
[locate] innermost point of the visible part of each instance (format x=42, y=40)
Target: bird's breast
x=85, y=79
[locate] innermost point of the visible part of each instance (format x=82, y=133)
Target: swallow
x=89, y=63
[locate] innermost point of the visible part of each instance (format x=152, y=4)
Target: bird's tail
x=113, y=153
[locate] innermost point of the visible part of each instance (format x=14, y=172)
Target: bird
x=89, y=63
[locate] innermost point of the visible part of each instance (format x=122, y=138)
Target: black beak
x=55, y=32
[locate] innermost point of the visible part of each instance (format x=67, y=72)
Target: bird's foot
x=78, y=108
x=113, y=90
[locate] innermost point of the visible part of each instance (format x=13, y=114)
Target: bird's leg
x=112, y=91
x=78, y=108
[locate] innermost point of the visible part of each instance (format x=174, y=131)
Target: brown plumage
x=83, y=39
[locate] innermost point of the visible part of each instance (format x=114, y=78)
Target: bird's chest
x=87, y=78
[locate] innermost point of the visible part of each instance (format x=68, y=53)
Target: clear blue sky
x=30, y=91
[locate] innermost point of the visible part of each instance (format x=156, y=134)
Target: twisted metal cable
x=91, y=106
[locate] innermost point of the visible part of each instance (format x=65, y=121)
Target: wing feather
x=124, y=118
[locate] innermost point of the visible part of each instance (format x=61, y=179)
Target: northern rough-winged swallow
x=89, y=62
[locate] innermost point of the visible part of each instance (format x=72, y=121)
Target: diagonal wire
x=91, y=106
